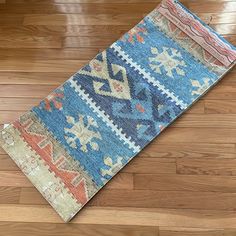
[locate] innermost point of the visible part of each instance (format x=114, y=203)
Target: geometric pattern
x=84, y=132
x=48, y=184
x=58, y=161
x=136, y=115
x=165, y=59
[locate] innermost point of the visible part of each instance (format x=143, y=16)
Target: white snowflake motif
x=200, y=88
x=169, y=60
x=81, y=131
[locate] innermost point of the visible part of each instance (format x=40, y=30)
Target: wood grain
x=165, y=199
x=220, y=106
x=41, y=229
x=206, y=166
x=178, y=231
x=30, y=42
x=9, y=195
x=202, y=135
x=14, y=179
x=7, y=163
x=123, y=216
x=99, y=19
x=177, y=182
x=181, y=149
x=182, y=184
x=41, y=65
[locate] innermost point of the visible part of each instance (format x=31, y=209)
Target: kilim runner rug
x=89, y=128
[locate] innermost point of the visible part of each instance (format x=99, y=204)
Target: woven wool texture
x=89, y=128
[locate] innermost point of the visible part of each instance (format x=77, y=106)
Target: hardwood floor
x=182, y=184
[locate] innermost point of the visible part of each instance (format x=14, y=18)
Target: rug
x=84, y=132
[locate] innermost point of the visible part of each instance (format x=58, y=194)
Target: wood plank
x=111, y=19
x=41, y=65
x=32, y=196
x=212, y=6
x=123, y=216
x=90, y=42
x=16, y=104
x=178, y=231
x=165, y=199
x=229, y=78
x=121, y=181
x=30, y=42
x=14, y=179
x=9, y=195
x=7, y=164
x=34, y=78
x=220, y=106
x=42, y=229
x=181, y=149
x=206, y=166
x=206, y=120
x=224, y=29
x=84, y=8
x=48, y=54
x=11, y=19
x=221, y=91
x=66, y=30
x=216, y=18
x=26, y=91
x=200, y=135
x=151, y=165
x=89, y=19
x=173, y=182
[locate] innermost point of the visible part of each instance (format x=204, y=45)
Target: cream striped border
x=125, y=57
x=38, y=173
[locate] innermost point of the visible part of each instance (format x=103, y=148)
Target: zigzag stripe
x=125, y=57
x=118, y=131
x=36, y=169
